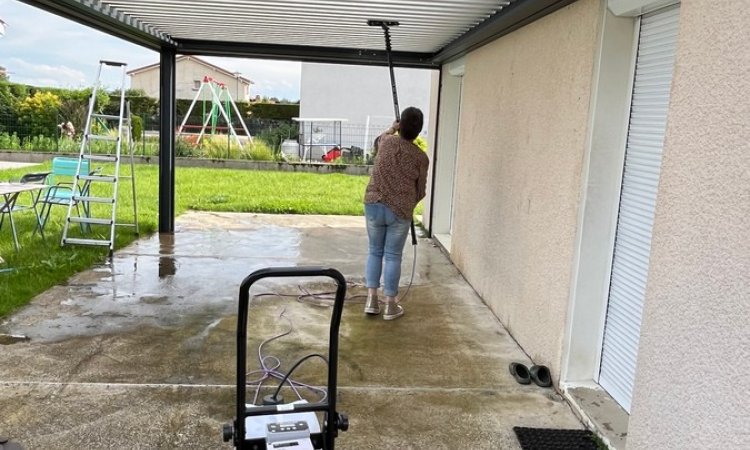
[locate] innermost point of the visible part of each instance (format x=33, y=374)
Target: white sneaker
x=392, y=311
x=372, y=306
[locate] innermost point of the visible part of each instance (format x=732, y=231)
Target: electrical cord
x=294, y=367
x=306, y=295
x=269, y=366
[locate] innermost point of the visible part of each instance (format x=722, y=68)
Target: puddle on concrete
x=168, y=279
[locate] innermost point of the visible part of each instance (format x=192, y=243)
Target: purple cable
x=269, y=370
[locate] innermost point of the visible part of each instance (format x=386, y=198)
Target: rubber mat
x=555, y=439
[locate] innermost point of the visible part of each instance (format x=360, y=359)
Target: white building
x=191, y=70
x=362, y=96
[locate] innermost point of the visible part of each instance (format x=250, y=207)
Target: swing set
x=217, y=105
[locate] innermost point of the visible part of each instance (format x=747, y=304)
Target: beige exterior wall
x=147, y=81
x=522, y=140
x=188, y=71
x=692, y=384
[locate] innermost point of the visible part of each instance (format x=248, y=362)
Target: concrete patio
x=141, y=353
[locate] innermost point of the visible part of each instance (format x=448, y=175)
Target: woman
x=397, y=184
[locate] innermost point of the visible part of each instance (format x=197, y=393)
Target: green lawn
x=43, y=263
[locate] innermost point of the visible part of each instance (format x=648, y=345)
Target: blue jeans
x=387, y=234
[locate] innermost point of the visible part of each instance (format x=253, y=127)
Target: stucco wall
x=522, y=138
x=692, y=385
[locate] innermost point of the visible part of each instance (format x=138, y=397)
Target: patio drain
x=555, y=439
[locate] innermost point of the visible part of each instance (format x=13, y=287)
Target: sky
x=42, y=49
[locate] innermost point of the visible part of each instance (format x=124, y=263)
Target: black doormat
x=555, y=439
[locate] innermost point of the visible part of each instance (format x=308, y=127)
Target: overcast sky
x=42, y=49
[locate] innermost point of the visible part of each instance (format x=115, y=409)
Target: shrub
x=39, y=113
x=219, y=146
x=273, y=111
x=9, y=141
x=259, y=151
x=39, y=143
x=182, y=147
x=136, y=127
x=275, y=135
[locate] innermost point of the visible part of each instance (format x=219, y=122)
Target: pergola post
x=167, y=125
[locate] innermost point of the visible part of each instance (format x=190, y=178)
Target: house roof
x=191, y=58
x=335, y=31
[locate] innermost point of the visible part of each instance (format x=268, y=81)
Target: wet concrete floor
x=141, y=352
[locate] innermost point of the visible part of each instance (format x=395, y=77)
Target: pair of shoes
x=392, y=311
x=372, y=306
x=540, y=375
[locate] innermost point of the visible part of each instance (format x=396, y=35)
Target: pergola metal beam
x=168, y=123
x=512, y=17
x=303, y=53
x=105, y=19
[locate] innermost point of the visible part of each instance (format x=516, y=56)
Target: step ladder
x=99, y=200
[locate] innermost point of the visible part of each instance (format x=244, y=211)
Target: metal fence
x=50, y=136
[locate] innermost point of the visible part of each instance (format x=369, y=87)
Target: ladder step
x=90, y=220
x=75, y=241
x=108, y=158
x=100, y=178
x=103, y=137
x=93, y=199
x=106, y=116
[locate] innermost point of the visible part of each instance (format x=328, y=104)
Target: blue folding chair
x=60, y=193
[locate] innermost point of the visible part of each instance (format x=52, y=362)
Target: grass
x=42, y=264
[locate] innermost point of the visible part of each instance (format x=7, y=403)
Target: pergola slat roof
x=430, y=31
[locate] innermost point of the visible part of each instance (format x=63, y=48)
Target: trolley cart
x=291, y=425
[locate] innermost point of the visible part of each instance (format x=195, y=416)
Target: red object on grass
x=332, y=154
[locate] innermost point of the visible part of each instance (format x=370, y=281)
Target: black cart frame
x=333, y=421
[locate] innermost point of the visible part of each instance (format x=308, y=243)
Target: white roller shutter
x=648, y=120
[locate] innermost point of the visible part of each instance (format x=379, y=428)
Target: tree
x=39, y=114
x=10, y=95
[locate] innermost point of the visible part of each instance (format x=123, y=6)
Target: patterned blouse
x=399, y=178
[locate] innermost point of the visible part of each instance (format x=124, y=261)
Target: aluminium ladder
x=100, y=199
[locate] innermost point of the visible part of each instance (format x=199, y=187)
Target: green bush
x=183, y=148
x=10, y=141
x=258, y=150
x=274, y=136
x=136, y=129
x=273, y=111
x=39, y=143
x=39, y=113
x=219, y=146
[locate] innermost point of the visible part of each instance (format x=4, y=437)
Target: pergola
x=431, y=33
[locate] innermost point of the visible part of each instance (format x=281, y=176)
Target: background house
x=361, y=95
x=190, y=71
